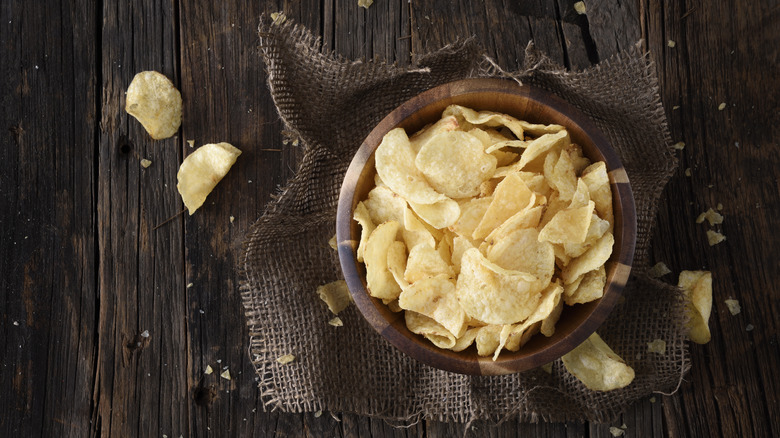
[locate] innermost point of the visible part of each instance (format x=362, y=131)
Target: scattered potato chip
x=380, y=281
x=722, y=106
x=658, y=270
x=225, y=375
x=433, y=331
x=361, y=215
x=208, y=370
x=455, y=153
x=287, y=358
x=733, y=306
x=154, y=101
x=336, y=322
x=688, y=172
x=200, y=172
x=714, y=237
x=616, y=431
x=719, y=206
x=656, y=346
x=145, y=163
x=365, y=3
x=679, y=145
x=335, y=295
x=597, y=366
x=579, y=7
x=697, y=287
x=671, y=43
x=711, y=216
x=333, y=242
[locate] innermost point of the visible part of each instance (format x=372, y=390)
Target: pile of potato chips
x=482, y=226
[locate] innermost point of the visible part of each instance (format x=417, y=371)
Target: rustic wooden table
x=88, y=263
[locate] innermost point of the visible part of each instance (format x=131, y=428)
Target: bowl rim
x=618, y=267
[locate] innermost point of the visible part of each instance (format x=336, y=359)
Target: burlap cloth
x=331, y=104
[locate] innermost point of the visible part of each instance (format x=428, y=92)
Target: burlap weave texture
x=331, y=104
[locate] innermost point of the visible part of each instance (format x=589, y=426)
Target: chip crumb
x=714, y=237
x=749, y=328
x=365, y=3
x=145, y=163
x=335, y=295
x=722, y=106
x=318, y=414
x=711, y=216
x=296, y=142
x=658, y=270
x=145, y=334
x=680, y=145
x=652, y=399
x=336, y=322
x=671, y=43
x=333, y=242
x=209, y=370
x=688, y=172
x=616, y=431
x=719, y=206
x=278, y=17
x=225, y=375
x=547, y=368
x=287, y=358
x=16, y=323
x=189, y=285
x=232, y=218
x=191, y=143
x=657, y=346
x=676, y=107
x=733, y=306
x=580, y=7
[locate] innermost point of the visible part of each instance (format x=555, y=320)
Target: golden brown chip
x=595, y=176
x=424, y=261
x=487, y=339
x=335, y=295
x=154, y=101
x=590, y=288
x=733, y=306
x=435, y=298
x=522, y=251
x=568, y=226
x=200, y=172
x=362, y=217
x=597, y=366
x=433, y=331
x=592, y=259
x=396, y=263
x=511, y=196
x=455, y=153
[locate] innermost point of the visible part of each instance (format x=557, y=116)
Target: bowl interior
x=576, y=322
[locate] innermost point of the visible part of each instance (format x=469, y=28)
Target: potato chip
x=438, y=215
x=493, y=119
x=414, y=232
x=733, y=306
x=658, y=270
x=433, y=331
x=393, y=305
x=656, y=346
x=460, y=245
x=525, y=218
x=487, y=339
x=562, y=177
x=396, y=263
x=455, y=153
x=471, y=213
x=581, y=195
x=381, y=283
x=714, y=237
x=592, y=259
x=334, y=243
x=435, y=298
x=487, y=188
x=711, y=216
x=385, y=205
x=554, y=205
x=597, y=366
x=336, y=322
x=466, y=340
x=590, y=288
x=335, y=295
x=285, y=359
x=493, y=294
x=697, y=287
x=538, y=148
x=395, y=165
x=445, y=124
x=522, y=251
x=424, y=261
x=155, y=102
x=362, y=217
x=598, y=227
x=515, y=336
x=579, y=161
x=200, y=172
x=595, y=176
x=445, y=247
x=548, y=324
x=511, y=195
x=570, y=225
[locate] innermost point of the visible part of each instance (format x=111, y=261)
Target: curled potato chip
x=596, y=256
x=385, y=205
x=595, y=176
x=433, y=331
x=424, y=261
x=362, y=217
x=539, y=147
x=460, y=245
x=516, y=335
x=597, y=366
x=414, y=232
x=381, y=283
x=471, y=213
x=435, y=298
x=568, y=226
x=395, y=165
x=396, y=263
x=493, y=294
x=493, y=119
x=335, y=295
x=511, y=196
x=525, y=218
x=466, y=340
x=153, y=100
x=455, y=153
x=598, y=227
x=438, y=215
x=487, y=339
x=200, y=172
x=445, y=124
x=697, y=287
x=562, y=177
x=522, y=251
x=589, y=288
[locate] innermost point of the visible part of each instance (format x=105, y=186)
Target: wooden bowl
x=534, y=105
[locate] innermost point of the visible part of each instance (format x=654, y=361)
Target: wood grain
x=84, y=273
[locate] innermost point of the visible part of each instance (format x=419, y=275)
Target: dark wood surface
x=85, y=269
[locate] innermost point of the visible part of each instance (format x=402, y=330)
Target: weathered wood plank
x=47, y=218
x=723, y=53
